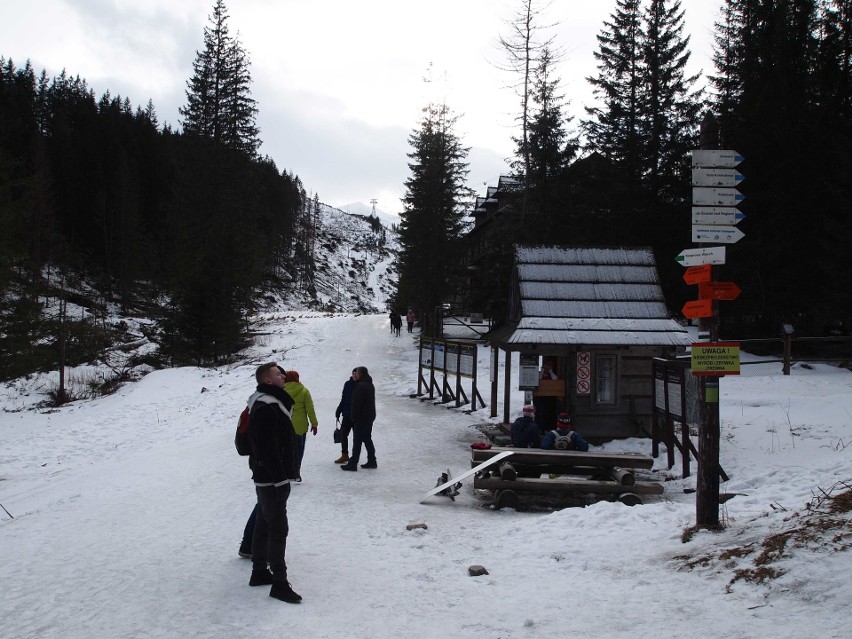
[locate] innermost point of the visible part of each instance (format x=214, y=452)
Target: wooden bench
x=599, y=473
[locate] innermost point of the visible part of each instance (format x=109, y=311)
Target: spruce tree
x=432, y=218
x=219, y=105
x=549, y=144
x=614, y=128
x=671, y=108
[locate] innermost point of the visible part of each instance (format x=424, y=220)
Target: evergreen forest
x=780, y=94
x=184, y=226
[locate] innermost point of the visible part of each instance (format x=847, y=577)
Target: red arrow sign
x=698, y=308
x=718, y=291
x=698, y=274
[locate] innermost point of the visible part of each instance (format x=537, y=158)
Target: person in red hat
x=564, y=437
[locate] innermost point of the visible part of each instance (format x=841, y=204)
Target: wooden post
x=788, y=348
x=707, y=485
x=495, y=360
x=507, y=387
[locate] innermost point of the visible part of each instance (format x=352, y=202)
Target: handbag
x=336, y=435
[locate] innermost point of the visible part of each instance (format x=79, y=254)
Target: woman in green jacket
x=302, y=414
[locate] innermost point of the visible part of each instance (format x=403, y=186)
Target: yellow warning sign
x=716, y=358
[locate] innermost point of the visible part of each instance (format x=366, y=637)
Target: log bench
x=601, y=473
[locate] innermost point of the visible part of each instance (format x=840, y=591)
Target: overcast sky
x=339, y=83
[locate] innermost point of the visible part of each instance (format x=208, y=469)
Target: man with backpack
x=272, y=462
x=564, y=437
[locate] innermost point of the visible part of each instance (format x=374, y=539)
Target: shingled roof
x=591, y=296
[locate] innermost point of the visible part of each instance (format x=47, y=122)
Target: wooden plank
x=562, y=485
x=569, y=458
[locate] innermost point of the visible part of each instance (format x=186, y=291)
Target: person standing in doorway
x=343, y=414
x=363, y=413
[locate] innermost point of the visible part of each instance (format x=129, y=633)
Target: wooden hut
x=598, y=315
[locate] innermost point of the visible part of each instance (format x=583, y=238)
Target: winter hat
x=528, y=410
x=292, y=376
x=564, y=418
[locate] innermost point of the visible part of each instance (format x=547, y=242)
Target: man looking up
x=272, y=463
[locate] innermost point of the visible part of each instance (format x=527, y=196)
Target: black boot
x=349, y=466
x=283, y=591
x=371, y=463
x=261, y=578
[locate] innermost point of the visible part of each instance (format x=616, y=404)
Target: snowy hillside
x=355, y=263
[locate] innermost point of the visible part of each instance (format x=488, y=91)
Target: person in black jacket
x=363, y=414
x=343, y=411
x=273, y=466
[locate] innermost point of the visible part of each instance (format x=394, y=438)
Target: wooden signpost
x=714, y=219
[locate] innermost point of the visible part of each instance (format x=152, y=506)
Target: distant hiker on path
x=303, y=412
x=396, y=323
x=363, y=414
x=409, y=318
x=343, y=414
x=272, y=463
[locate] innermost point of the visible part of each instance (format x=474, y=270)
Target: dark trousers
x=248, y=532
x=345, y=429
x=269, y=543
x=362, y=434
x=299, y=442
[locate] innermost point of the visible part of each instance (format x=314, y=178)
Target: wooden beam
x=567, y=458
x=562, y=485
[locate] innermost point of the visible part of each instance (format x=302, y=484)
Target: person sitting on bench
x=564, y=437
x=525, y=432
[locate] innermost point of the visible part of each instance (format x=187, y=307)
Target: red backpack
x=241, y=439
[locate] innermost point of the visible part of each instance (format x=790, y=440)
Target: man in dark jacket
x=525, y=430
x=363, y=414
x=273, y=466
x=344, y=409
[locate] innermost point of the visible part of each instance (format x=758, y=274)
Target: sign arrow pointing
x=718, y=233
x=716, y=158
x=718, y=291
x=698, y=274
x=703, y=255
x=716, y=177
x=714, y=196
x=698, y=308
x=716, y=215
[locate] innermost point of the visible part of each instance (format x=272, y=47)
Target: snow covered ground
x=125, y=514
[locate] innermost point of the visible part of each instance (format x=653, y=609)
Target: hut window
x=605, y=379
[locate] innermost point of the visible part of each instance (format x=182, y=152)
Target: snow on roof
x=590, y=295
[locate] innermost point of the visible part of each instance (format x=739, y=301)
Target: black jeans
x=269, y=543
x=362, y=434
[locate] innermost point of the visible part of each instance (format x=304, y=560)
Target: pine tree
x=550, y=147
x=670, y=116
x=614, y=128
x=777, y=85
x=432, y=218
x=219, y=104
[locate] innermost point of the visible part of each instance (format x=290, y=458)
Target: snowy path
x=129, y=510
